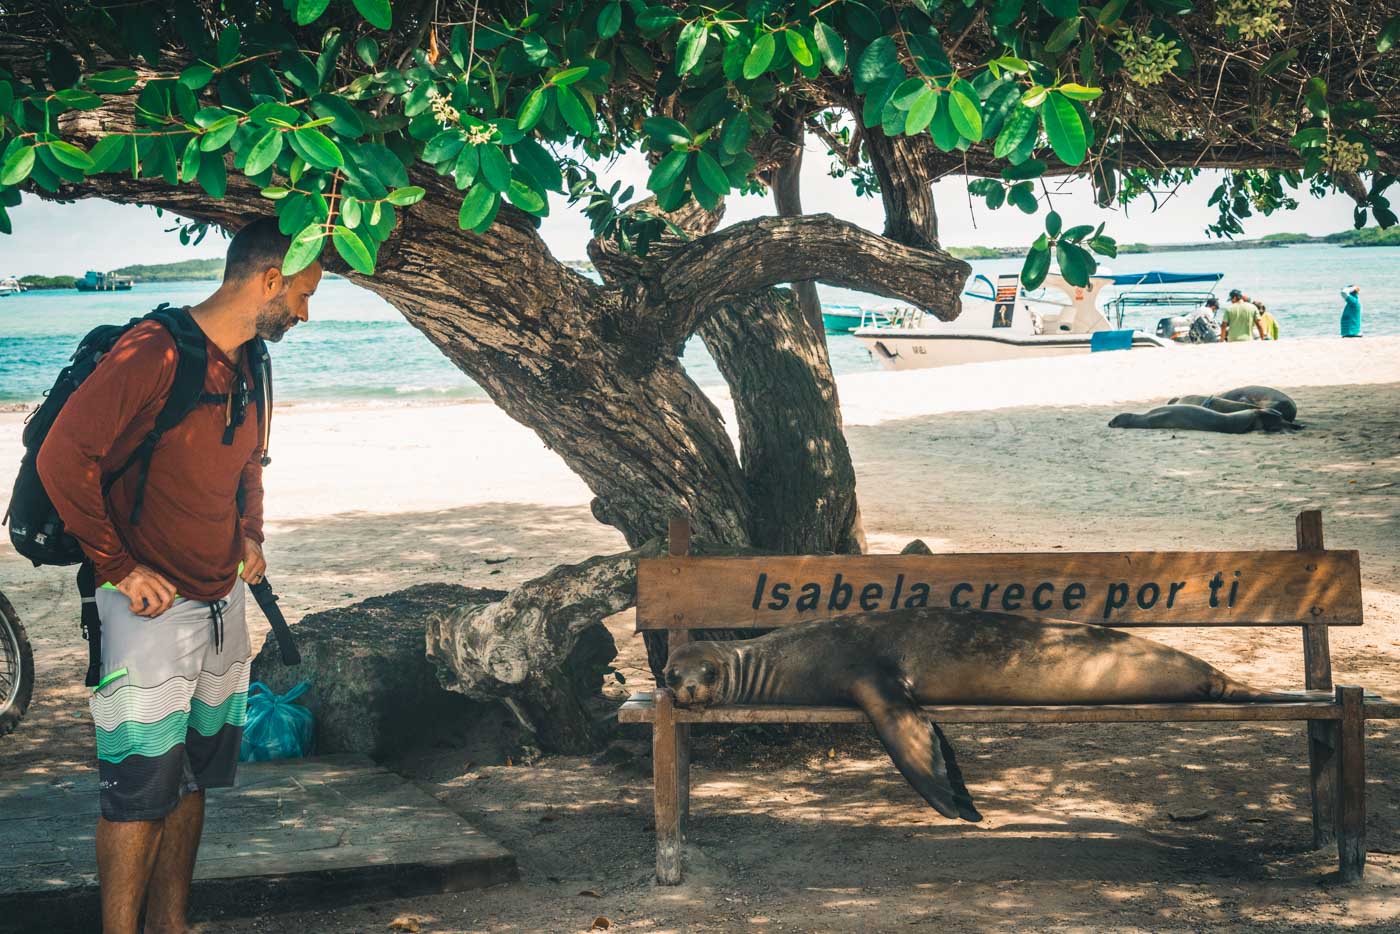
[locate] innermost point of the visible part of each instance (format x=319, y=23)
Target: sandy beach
x=365, y=499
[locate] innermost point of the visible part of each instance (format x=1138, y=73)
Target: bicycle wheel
x=16, y=668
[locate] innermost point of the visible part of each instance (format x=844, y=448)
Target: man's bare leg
x=126, y=855
x=168, y=903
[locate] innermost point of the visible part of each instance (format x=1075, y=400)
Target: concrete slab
x=294, y=833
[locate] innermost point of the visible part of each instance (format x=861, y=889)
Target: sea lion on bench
x=1244, y=398
x=888, y=664
x=1199, y=418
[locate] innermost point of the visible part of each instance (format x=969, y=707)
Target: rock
x=373, y=689
x=917, y=547
x=1188, y=814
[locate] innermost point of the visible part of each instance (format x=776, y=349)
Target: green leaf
x=443, y=146
x=108, y=150
x=832, y=48
x=666, y=132
x=229, y=40
x=532, y=109
x=376, y=12
x=1104, y=246
x=218, y=133
x=1111, y=12
x=539, y=164
x=944, y=133
x=966, y=111
x=610, y=20
x=1021, y=122
x=319, y=150
x=1061, y=8
x=351, y=211
x=112, y=81
x=352, y=249
x=1278, y=62
x=668, y=170
x=196, y=76
x=1022, y=194
x=878, y=63
x=1012, y=64
x=308, y=11
x=1035, y=267
x=305, y=249
x=923, y=111
x=1031, y=168
x=1076, y=265
x=575, y=112
x=710, y=172
x=345, y=118
x=736, y=134
x=213, y=176
x=18, y=166
x=690, y=47
x=277, y=193
x=797, y=47
x=478, y=204
x=656, y=19
x=1053, y=224
x=1075, y=234
x=264, y=152
x=526, y=198
x=265, y=113
x=1079, y=92
x=494, y=167
x=78, y=99
x=468, y=162
x=69, y=154
x=760, y=56
x=1034, y=96
x=367, y=49
x=1389, y=33
x=1064, y=129
x=1317, y=96
x=570, y=75
x=189, y=162
x=1063, y=36
x=1312, y=136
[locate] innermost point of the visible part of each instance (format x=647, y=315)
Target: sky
x=63, y=239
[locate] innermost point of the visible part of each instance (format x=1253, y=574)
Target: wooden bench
x=1308, y=588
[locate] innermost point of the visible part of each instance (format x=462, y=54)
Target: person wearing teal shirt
x=1351, y=312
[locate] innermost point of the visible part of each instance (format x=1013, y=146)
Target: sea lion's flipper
x=916, y=744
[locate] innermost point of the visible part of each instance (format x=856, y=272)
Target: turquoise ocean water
x=356, y=347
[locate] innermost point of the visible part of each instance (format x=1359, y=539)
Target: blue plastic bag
x=276, y=727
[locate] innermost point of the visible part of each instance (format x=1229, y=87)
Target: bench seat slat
x=1315, y=705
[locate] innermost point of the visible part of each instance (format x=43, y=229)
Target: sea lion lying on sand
x=889, y=663
x=1246, y=397
x=1200, y=418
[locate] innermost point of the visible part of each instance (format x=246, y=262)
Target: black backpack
x=36, y=530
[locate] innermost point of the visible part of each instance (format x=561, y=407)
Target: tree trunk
x=906, y=188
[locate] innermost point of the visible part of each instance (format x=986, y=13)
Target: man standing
x=171, y=704
x=1240, y=319
x=1351, y=311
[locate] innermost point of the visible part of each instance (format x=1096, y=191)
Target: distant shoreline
x=203, y=270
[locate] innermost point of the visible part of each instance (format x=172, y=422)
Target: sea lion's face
x=693, y=674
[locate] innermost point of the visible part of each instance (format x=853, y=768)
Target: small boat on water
x=9, y=285
x=1054, y=320
x=104, y=282
x=843, y=319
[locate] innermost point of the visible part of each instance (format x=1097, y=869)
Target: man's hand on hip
x=253, y=563
x=149, y=592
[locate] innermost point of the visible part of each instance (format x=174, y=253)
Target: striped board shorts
x=171, y=704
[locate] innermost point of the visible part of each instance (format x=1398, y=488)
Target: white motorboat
x=1053, y=320
x=9, y=285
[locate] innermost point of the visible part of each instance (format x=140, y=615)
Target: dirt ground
x=1177, y=827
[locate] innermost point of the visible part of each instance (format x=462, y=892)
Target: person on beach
x=171, y=704
x=1241, y=319
x=1351, y=311
x=1268, y=324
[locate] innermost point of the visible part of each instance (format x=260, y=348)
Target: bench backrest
x=1308, y=587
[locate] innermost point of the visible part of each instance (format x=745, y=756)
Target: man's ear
x=271, y=282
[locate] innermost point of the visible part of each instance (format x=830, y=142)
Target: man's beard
x=275, y=319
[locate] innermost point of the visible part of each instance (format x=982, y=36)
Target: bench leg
x=666, y=766
x=683, y=774
x=1351, y=784
x=1322, y=769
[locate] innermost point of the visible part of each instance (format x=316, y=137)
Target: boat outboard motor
x=1203, y=332
x=1174, y=328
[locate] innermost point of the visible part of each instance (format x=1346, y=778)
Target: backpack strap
x=91, y=622
x=185, y=391
x=261, y=365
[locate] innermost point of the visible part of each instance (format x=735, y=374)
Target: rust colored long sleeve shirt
x=189, y=529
